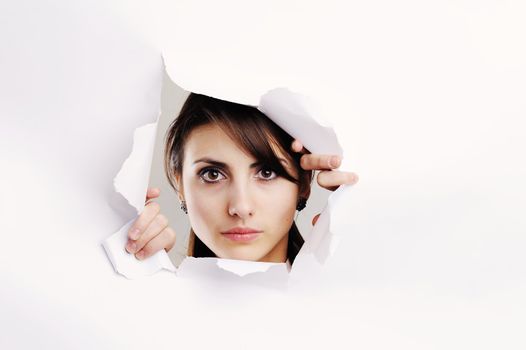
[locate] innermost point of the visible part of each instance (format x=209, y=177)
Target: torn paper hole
x=292, y=112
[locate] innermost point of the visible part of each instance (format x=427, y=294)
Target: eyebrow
x=224, y=165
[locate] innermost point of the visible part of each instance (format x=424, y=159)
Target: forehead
x=211, y=141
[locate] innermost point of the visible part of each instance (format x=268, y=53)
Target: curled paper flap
x=323, y=240
x=126, y=264
x=132, y=183
x=298, y=116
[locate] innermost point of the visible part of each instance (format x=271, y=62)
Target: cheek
x=280, y=204
x=203, y=209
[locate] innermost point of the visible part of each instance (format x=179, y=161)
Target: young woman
x=240, y=178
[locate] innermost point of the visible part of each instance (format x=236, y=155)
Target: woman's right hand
x=150, y=232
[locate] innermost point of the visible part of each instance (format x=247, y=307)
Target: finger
x=331, y=180
x=297, y=146
x=148, y=214
x=320, y=162
x=315, y=219
x=152, y=193
x=164, y=240
x=158, y=224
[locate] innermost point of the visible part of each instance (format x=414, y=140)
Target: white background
x=428, y=101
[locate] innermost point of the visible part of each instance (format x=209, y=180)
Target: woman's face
x=237, y=207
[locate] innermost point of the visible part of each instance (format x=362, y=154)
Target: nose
x=240, y=202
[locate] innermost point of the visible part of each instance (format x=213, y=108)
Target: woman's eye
x=266, y=174
x=211, y=175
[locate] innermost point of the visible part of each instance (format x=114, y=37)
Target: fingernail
x=140, y=255
x=334, y=161
x=131, y=247
x=134, y=234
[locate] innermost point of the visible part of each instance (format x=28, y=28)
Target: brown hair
x=249, y=128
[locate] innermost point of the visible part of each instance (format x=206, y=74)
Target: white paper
x=300, y=118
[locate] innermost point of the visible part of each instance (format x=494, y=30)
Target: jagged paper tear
x=132, y=183
x=132, y=179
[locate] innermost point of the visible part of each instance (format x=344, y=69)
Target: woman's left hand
x=328, y=177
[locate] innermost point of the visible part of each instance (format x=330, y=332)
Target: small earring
x=302, y=203
x=183, y=207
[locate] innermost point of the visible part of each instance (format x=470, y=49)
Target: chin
x=241, y=254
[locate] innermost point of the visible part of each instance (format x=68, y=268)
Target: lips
x=242, y=234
